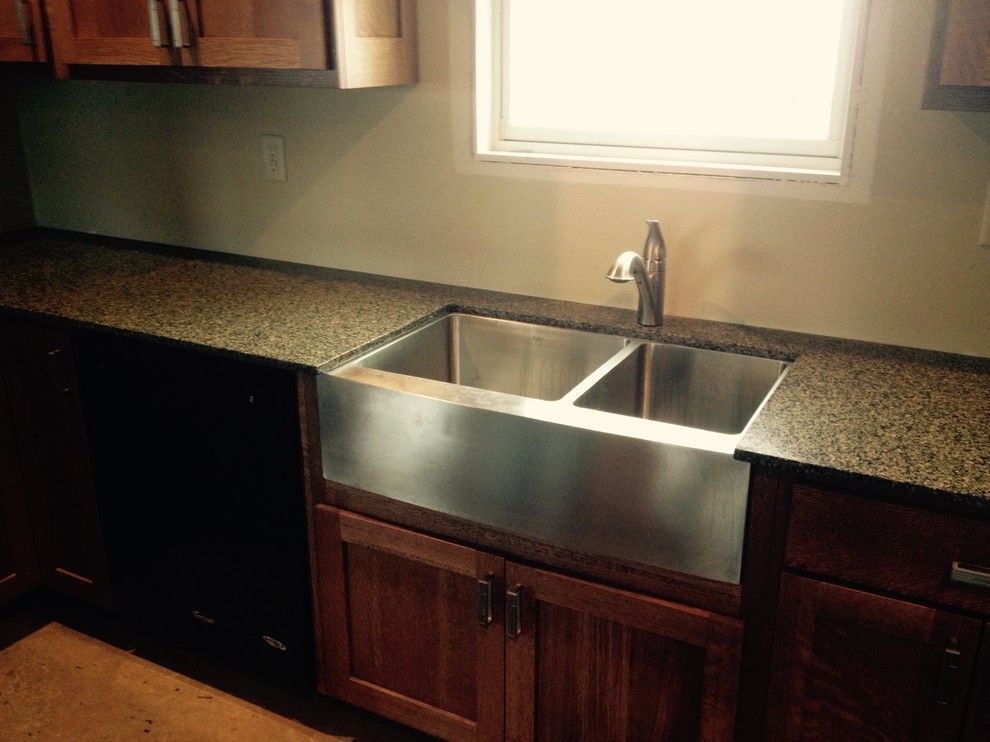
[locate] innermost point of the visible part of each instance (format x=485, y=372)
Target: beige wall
x=15, y=196
x=376, y=183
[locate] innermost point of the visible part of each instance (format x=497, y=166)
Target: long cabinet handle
x=948, y=676
x=486, y=591
x=513, y=612
x=177, y=23
x=23, y=27
x=970, y=574
x=155, y=22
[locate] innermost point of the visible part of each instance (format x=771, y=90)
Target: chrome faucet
x=648, y=271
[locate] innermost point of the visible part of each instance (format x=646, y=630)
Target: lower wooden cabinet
x=39, y=375
x=402, y=632
x=18, y=563
x=849, y=664
x=458, y=643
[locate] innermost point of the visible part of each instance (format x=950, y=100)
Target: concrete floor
x=93, y=680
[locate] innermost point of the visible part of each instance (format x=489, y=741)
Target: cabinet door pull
x=178, y=24
x=486, y=589
x=948, y=676
x=23, y=27
x=970, y=574
x=513, y=612
x=57, y=372
x=154, y=23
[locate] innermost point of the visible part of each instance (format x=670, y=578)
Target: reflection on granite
x=914, y=422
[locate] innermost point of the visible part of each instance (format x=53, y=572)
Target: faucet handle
x=654, y=249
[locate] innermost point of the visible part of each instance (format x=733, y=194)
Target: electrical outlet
x=273, y=156
x=985, y=228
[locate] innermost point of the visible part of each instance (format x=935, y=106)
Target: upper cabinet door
x=966, y=60
x=585, y=661
x=112, y=32
x=271, y=34
x=958, y=75
x=375, y=42
x=22, y=37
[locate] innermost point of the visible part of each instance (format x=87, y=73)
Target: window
x=761, y=88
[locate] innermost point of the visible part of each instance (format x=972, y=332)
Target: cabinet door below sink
x=594, y=662
x=401, y=632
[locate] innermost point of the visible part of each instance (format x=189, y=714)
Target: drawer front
x=900, y=549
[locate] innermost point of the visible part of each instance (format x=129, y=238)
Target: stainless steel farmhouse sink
x=591, y=442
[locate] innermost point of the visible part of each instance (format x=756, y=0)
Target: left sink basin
x=527, y=360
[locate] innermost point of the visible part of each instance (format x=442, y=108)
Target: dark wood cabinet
x=337, y=43
x=586, y=661
x=959, y=66
x=40, y=378
x=849, y=664
x=22, y=36
x=461, y=644
x=18, y=562
x=402, y=631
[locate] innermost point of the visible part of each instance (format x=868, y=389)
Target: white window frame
x=828, y=162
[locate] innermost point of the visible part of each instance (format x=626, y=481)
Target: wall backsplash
x=15, y=201
x=374, y=185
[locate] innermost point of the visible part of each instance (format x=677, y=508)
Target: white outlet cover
x=273, y=157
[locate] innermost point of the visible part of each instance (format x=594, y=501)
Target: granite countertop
x=909, y=423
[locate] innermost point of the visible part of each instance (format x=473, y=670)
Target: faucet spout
x=648, y=270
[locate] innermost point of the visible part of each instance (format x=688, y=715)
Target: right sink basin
x=703, y=389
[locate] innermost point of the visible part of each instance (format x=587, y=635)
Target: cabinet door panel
x=18, y=563
x=22, y=37
x=51, y=443
x=854, y=665
x=276, y=34
x=592, y=662
x=403, y=637
x=106, y=32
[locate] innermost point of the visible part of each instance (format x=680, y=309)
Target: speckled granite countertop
x=909, y=423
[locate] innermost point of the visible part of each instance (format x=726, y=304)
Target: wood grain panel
x=38, y=368
x=233, y=52
x=599, y=679
x=275, y=34
x=854, y=665
x=958, y=73
x=102, y=32
x=966, y=59
x=412, y=629
x=369, y=60
x=18, y=563
x=598, y=663
x=401, y=631
x=12, y=46
x=886, y=546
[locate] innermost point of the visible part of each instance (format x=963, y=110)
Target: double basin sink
x=594, y=443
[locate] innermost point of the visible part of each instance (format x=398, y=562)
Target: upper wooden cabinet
x=22, y=37
x=343, y=43
x=959, y=67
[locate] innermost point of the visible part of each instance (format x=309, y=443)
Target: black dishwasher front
x=199, y=478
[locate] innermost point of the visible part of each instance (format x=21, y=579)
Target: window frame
x=822, y=161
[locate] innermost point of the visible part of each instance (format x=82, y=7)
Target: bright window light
x=758, y=87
